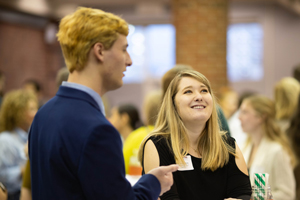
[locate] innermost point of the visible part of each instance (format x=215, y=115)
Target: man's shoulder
x=74, y=121
x=69, y=106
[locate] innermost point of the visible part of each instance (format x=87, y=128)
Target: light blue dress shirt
x=88, y=90
x=12, y=158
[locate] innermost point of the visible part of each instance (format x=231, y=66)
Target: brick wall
x=201, y=27
x=25, y=55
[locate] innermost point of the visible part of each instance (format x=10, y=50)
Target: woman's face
x=115, y=118
x=32, y=108
x=119, y=121
x=251, y=121
x=193, y=101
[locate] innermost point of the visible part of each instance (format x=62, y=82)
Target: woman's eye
x=187, y=91
x=204, y=91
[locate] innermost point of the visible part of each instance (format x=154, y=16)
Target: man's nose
x=128, y=60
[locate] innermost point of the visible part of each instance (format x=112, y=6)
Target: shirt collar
x=88, y=90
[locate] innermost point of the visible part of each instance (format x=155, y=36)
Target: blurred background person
x=228, y=101
x=2, y=86
x=125, y=118
x=62, y=75
x=235, y=124
x=132, y=144
x=18, y=110
x=168, y=77
x=286, y=94
x=296, y=72
x=293, y=133
x=267, y=149
x=26, y=183
x=34, y=86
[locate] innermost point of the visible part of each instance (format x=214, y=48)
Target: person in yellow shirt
x=125, y=118
x=132, y=143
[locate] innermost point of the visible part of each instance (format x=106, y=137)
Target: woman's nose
x=198, y=96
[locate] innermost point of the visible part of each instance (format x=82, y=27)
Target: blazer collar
x=77, y=94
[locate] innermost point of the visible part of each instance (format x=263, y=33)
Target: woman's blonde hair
x=79, y=31
x=169, y=75
x=215, y=151
x=286, y=94
x=265, y=108
x=13, y=108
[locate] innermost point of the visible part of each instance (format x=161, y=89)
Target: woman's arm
x=25, y=194
x=151, y=158
x=240, y=161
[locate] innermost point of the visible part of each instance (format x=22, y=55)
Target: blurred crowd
x=266, y=130
x=18, y=108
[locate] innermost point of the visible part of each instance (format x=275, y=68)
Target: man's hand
x=164, y=175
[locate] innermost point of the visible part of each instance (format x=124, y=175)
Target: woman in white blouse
x=267, y=149
x=17, y=112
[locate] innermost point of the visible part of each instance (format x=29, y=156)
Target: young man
x=75, y=153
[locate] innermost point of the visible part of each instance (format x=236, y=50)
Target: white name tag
x=189, y=165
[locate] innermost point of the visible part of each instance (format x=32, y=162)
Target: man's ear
x=98, y=50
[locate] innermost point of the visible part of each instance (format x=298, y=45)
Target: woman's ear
x=263, y=117
x=98, y=50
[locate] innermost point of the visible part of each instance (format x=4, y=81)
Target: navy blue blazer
x=75, y=153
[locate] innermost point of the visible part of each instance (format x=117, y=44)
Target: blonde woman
x=267, y=149
x=286, y=94
x=17, y=112
x=187, y=133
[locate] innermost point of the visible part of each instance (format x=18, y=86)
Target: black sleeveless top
x=222, y=183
